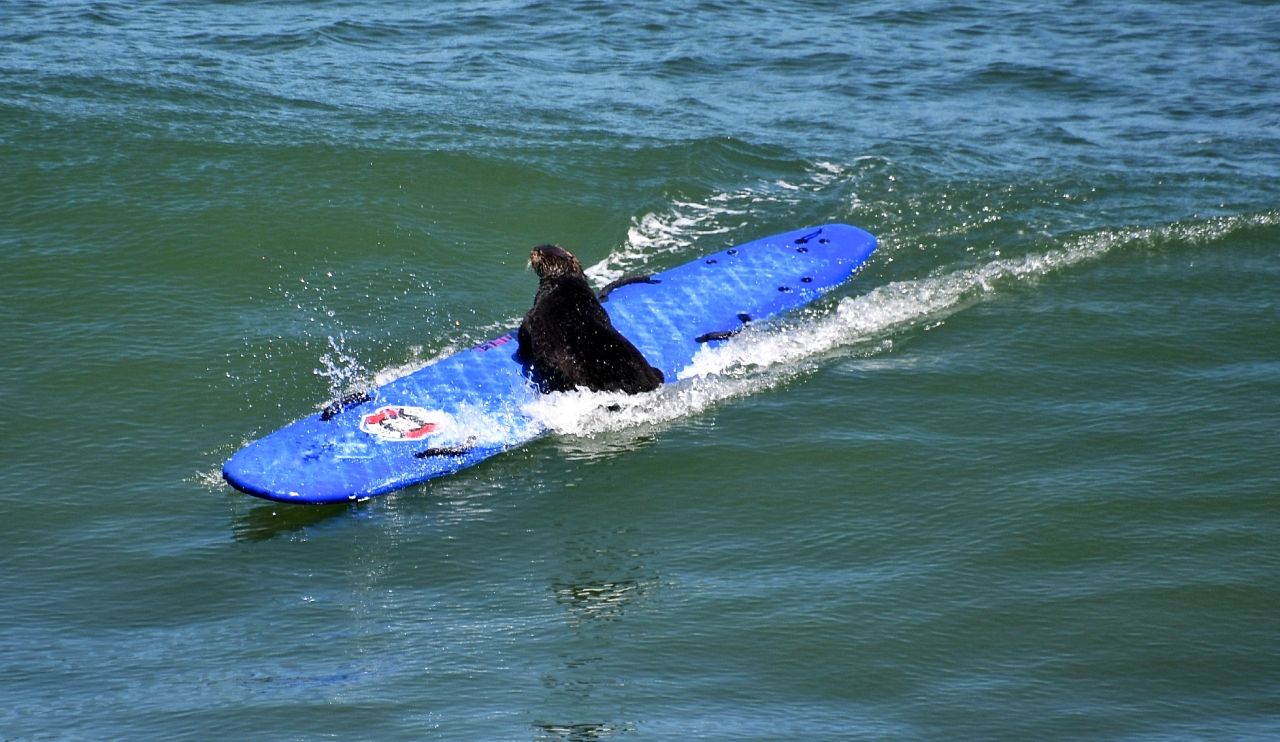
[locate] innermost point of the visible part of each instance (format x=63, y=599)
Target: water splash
x=344, y=372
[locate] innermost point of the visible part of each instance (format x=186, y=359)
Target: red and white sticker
x=403, y=423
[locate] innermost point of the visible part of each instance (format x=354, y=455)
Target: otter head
x=552, y=261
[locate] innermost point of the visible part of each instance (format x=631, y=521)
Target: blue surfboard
x=461, y=410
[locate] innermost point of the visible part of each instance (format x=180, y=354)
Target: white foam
x=477, y=425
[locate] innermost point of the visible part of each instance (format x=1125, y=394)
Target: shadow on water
x=269, y=520
x=604, y=574
x=601, y=576
x=591, y=598
x=579, y=732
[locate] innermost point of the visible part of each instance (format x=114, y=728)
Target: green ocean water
x=1018, y=480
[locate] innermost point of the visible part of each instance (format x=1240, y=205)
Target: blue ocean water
x=1019, y=480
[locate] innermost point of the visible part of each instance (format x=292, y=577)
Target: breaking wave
x=691, y=224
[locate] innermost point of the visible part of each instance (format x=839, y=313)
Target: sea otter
x=567, y=340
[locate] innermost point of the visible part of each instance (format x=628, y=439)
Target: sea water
x=1017, y=480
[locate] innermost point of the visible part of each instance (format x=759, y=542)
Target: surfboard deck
x=463, y=409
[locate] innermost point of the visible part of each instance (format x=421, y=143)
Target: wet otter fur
x=567, y=339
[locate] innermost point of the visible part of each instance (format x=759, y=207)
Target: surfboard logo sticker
x=397, y=423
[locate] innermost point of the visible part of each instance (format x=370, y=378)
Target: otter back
x=463, y=409
x=568, y=342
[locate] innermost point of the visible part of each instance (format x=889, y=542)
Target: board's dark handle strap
x=604, y=292
x=462, y=450
x=744, y=318
x=442, y=451
x=807, y=237
x=332, y=409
